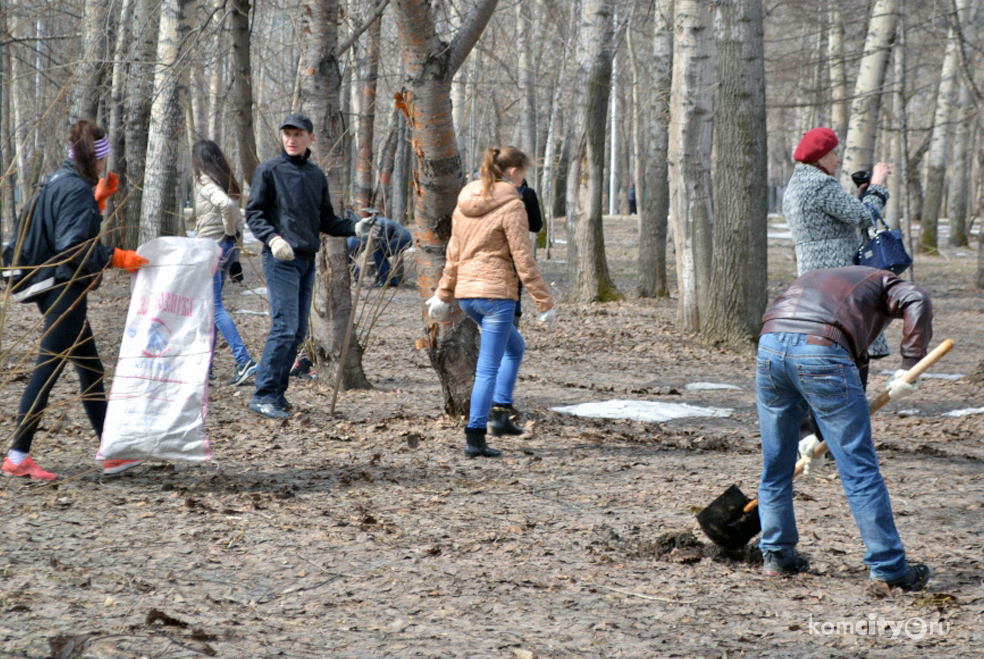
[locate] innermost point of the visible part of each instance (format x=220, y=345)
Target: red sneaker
x=116, y=466
x=26, y=469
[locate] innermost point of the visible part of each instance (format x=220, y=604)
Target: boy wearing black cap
x=288, y=207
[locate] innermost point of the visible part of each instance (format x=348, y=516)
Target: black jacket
x=70, y=223
x=532, y=204
x=289, y=198
x=851, y=306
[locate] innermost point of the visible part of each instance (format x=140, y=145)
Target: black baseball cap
x=297, y=120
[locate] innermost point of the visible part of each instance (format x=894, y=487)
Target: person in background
x=393, y=239
x=814, y=341
x=68, y=216
x=217, y=196
x=488, y=254
x=535, y=218
x=288, y=207
x=631, y=195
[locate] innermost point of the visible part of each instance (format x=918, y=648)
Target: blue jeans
x=384, y=248
x=499, y=356
x=791, y=376
x=223, y=321
x=290, y=285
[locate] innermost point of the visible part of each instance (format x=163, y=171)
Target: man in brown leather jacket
x=813, y=342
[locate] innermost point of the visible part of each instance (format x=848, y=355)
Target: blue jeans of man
x=223, y=321
x=793, y=374
x=290, y=286
x=499, y=356
x=384, y=248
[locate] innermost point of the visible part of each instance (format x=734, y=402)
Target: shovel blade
x=725, y=521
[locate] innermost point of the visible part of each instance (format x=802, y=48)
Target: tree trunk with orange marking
x=430, y=66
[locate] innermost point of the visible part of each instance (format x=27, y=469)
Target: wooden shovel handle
x=921, y=367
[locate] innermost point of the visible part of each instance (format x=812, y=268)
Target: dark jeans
x=67, y=337
x=383, y=249
x=290, y=285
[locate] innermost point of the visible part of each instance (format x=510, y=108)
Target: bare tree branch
x=469, y=32
x=372, y=18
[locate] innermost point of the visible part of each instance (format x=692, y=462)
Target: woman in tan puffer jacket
x=488, y=254
x=220, y=218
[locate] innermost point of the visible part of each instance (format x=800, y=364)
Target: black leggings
x=67, y=337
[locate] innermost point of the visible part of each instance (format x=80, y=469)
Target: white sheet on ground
x=640, y=410
x=710, y=385
x=965, y=412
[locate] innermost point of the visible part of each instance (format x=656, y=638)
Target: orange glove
x=106, y=188
x=128, y=260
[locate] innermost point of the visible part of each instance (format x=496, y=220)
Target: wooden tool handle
x=921, y=367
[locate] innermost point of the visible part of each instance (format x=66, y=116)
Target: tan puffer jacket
x=217, y=213
x=490, y=244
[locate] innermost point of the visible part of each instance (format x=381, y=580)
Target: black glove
x=236, y=272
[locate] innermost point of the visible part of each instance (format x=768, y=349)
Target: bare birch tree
x=160, y=214
x=241, y=92
x=586, y=260
x=688, y=156
x=859, y=143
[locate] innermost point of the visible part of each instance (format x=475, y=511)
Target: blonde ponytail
x=496, y=162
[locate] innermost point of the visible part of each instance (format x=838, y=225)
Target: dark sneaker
x=775, y=564
x=303, y=368
x=269, y=410
x=244, y=371
x=915, y=578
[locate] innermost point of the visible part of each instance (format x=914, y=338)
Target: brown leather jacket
x=850, y=306
x=490, y=244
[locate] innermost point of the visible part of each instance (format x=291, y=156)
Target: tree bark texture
x=241, y=95
x=653, y=215
x=139, y=96
x=859, y=143
x=90, y=67
x=688, y=156
x=367, y=117
x=160, y=214
x=527, y=86
x=838, y=74
x=587, y=264
x=959, y=192
x=740, y=193
x=430, y=67
x=320, y=98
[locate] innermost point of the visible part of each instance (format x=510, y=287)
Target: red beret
x=815, y=145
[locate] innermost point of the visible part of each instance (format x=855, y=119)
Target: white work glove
x=281, y=249
x=437, y=308
x=366, y=226
x=547, y=318
x=806, y=448
x=898, y=388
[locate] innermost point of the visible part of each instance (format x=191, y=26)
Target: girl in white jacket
x=217, y=196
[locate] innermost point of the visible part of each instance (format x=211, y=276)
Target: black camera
x=862, y=177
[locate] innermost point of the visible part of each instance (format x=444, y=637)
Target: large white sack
x=159, y=397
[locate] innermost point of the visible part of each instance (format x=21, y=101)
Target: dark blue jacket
x=70, y=223
x=289, y=198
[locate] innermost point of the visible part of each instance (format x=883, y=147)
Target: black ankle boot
x=476, y=446
x=501, y=421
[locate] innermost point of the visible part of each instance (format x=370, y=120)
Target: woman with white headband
x=67, y=218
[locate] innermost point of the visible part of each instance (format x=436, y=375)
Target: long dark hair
x=496, y=162
x=81, y=140
x=207, y=158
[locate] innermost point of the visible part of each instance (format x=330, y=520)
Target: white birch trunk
x=159, y=211
x=527, y=87
x=858, y=145
x=687, y=157
x=957, y=196
x=88, y=70
x=838, y=73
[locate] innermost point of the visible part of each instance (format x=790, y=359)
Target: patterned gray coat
x=824, y=220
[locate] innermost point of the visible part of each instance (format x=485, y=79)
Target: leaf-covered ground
x=371, y=535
